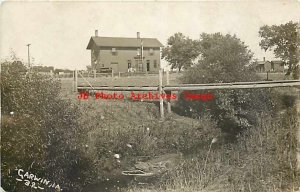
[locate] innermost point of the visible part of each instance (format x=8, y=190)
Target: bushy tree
x=39, y=131
x=180, y=51
x=223, y=59
x=285, y=39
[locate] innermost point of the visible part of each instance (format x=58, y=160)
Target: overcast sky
x=59, y=31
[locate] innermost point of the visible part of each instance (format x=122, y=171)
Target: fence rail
x=246, y=85
x=93, y=74
x=212, y=86
x=117, y=88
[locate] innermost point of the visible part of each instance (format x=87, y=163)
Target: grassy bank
x=262, y=158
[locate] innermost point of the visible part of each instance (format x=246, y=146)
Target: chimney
x=96, y=33
x=138, y=35
x=264, y=59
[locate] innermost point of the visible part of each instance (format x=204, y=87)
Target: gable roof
x=262, y=62
x=122, y=42
x=278, y=62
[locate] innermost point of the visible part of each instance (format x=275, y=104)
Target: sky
x=59, y=31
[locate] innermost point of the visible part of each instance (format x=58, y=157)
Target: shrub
x=40, y=132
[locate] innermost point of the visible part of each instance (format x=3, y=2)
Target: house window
x=155, y=63
x=272, y=67
x=148, y=65
x=138, y=52
x=151, y=51
x=114, y=51
x=114, y=63
x=129, y=64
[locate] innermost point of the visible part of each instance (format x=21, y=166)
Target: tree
x=225, y=58
x=180, y=51
x=285, y=41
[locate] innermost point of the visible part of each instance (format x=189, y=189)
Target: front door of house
x=148, y=65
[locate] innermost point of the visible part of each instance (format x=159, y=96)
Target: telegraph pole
x=28, y=57
x=142, y=55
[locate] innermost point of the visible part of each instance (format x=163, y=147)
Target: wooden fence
x=184, y=87
x=112, y=73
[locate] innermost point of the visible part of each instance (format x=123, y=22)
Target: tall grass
x=133, y=130
x=263, y=159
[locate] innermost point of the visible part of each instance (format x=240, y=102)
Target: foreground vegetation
x=40, y=132
x=262, y=159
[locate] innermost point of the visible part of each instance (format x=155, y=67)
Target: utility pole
x=142, y=55
x=28, y=58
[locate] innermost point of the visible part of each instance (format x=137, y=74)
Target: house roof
x=262, y=62
x=122, y=42
x=279, y=62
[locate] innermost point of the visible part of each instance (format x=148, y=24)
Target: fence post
x=169, y=92
x=119, y=74
x=298, y=110
x=112, y=73
x=95, y=74
x=75, y=80
x=298, y=134
x=161, y=101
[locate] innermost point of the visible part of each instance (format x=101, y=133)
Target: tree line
x=183, y=52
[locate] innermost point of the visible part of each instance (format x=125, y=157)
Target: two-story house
x=124, y=54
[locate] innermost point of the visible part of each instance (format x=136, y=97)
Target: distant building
x=264, y=66
x=43, y=70
x=124, y=54
x=62, y=71
x=277, y=66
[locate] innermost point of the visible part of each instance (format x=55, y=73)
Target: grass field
x=146, y=80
